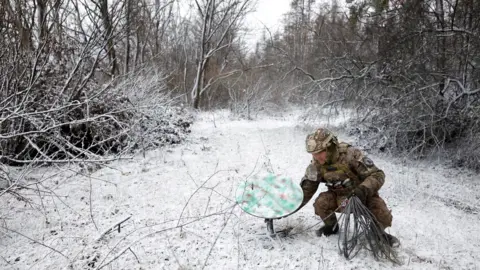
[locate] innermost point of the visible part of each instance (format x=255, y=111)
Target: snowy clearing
x=178, y=210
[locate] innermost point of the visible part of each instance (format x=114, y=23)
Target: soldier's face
x=320, y=157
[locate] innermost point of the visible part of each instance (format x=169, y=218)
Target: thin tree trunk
x=58, y=30
x=127, y=36
x=441, y=43
x=137, y=49
x=107, y=24
x=198, y=86
x=24, y=32
x=41, y=21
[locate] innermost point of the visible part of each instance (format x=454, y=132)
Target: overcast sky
x=268, y=13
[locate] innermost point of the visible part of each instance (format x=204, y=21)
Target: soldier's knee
x=383, y=215
x=324, y=204
x=386, y=218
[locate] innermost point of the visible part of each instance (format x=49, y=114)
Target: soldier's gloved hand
x=362, y=192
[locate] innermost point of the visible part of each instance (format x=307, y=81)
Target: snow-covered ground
x=178, y=209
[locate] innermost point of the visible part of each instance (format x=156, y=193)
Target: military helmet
x=320, y=140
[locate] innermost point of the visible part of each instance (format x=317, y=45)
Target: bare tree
x=405, y=66
x=53, y=108
x=219, y=21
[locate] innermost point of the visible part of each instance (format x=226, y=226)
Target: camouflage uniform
x=345, y=169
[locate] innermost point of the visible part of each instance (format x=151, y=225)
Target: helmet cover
x=319, y=141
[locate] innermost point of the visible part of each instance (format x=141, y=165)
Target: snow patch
x=179, y=209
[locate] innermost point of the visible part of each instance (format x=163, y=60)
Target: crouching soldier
x=345, y=171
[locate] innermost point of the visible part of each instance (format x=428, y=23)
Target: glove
x=362, y=192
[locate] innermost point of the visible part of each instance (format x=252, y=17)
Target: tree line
x=408, y=68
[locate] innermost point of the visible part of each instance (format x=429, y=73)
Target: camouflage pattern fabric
x=320, y=140
x=347, y=169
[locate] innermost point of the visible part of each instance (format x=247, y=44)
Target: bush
x=422, y=122
x=43, y=122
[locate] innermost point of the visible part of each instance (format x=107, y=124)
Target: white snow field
x=178, y=210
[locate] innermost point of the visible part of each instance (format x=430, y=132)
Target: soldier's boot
x=330, y=226
x=392, y=240
x=327, y=230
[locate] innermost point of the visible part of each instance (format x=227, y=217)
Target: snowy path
x=436, y=210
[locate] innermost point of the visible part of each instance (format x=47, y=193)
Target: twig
x=112, y=228
x=91, y=210
x=42, y=204
x=58, y=197
x=92, y=177
x=216, y=238
x=37, y=242
x=102, y=264
x=209, y=197
x=134, y=255
x=197, y=190
x=5, y=260
x=173, y=253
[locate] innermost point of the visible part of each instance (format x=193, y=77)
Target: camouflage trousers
x=327, y=202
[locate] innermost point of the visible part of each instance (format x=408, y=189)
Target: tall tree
x=219, y=20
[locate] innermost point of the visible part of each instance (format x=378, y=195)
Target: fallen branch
x=112, y=228
x=102, y=264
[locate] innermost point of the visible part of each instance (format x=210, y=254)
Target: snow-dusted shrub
x=46, y=121
x=466, y=153
x=411, y=118
x=420, y=122
x=157, y=119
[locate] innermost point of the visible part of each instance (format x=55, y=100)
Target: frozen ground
x=180, y=214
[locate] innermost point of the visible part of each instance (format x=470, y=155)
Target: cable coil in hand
x=360, y=229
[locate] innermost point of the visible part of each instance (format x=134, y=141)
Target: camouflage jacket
x=348, y=169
